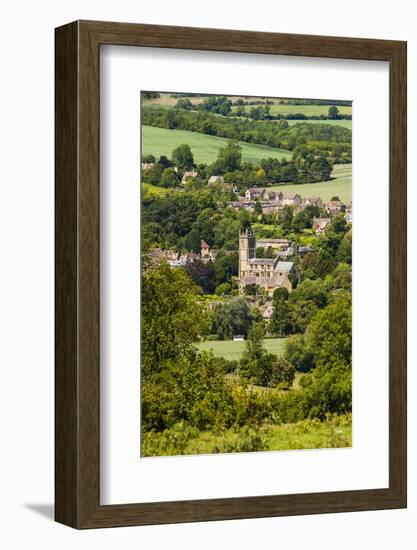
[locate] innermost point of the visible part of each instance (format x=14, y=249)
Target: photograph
x=246, y=274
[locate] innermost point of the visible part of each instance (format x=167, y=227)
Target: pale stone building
x=268, y=273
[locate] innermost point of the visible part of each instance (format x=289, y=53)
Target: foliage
x=172, y=317
x=202, y=274
x=231, y=318
x=330, y=141
x=259, y=367
x=182, y=157
x=182, y=439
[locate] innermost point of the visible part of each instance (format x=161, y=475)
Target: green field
x=154, y=189
x=343, y=123
x=230, y=349
x=308, y=110
x=340, y=186
x=161, y=141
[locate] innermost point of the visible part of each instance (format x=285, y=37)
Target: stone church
x=268, y=273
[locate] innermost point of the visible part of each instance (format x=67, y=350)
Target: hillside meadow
x=205, y=148
x=343, y=123
x=308, y=110
x=340, y=185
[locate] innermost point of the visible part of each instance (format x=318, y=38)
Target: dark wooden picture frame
x=77, y=375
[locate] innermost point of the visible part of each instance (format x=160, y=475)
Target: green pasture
x=340, y=185
x=231, y=349
x=308, y=110
x=161, y=141
x=343, y=123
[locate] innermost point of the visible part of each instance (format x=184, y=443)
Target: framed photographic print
x=230, y=274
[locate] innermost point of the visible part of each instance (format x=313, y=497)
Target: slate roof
x=284, y=266
x=262, y=261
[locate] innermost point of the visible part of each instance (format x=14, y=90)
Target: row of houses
x=273, y=201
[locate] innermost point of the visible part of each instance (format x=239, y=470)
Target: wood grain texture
x=78, y=284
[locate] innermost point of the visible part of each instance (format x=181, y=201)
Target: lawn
x=230, y=349
x=161, y=141
x=340, y=185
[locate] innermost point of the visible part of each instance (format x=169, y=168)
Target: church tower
x=247, y=250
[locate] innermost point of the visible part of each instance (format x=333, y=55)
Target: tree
x=148, y=158
x=229, y=157
x=298, y=353
x=184, y=103
x=169, y=178
x=308, y=290
x=217, y=104
x=164, y=161
x=333, y=112
x=285, y=217
x=257, y=366
x=183, y=157
x=172, y=317
x=280, y=294
x=304, y=218
x=202, y=274
x=231, y=318
x=223, y=288
x=225, y=267
x=329, y=338
x=281, y=318
x=153, y=175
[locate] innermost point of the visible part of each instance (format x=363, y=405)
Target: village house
x=320, y=225
x=313, y=201
x=246, y=205
x=275, y=244
x=207, y=253
x=254, y=193
x=291, y=200
x=147, y=165
x=283, y=267
x=334, y=207
x=189, y=174
x=183, y=259
x=262, y=272
x=272, y=195
x=286, y=254
x=271, y=207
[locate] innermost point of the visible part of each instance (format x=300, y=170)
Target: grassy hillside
x=343, y=123
x=161, y=141
x=341, y=185
x=308, y=110
x=230, y=349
